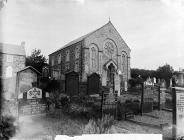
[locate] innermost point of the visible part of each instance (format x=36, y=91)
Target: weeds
x=99, y=126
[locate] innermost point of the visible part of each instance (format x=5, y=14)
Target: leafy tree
x=143, y=73
x=165, y=72
x=36, y=60
x=2, y=3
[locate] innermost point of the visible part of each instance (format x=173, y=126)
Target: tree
x=2, y=3
x=142, y=72
x=165, y=72
x=36, y=60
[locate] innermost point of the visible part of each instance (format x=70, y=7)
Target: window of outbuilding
x=9, y=72
x=9, y=58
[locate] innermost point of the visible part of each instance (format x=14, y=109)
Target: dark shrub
x=7, y=127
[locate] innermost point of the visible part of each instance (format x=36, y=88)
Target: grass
x=58, y=123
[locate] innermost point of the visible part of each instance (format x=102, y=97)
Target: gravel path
x=153, y=118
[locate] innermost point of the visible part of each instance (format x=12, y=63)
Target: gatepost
x=178, y=112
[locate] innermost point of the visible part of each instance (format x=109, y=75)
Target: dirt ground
x=56, y=123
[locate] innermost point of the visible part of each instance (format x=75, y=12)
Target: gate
x=72, y=84
x=93, y=84
x=109, y=104
x=156, y=97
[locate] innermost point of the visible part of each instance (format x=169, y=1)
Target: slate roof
x=12, y=49
x=80, y=38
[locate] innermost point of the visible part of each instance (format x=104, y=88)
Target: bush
x=7, y=127
x=99, y=126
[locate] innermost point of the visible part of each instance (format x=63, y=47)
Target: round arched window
x=109, y=49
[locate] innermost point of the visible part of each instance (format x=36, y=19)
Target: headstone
x=117, y=84
x=154, y=80
x=162, y=97
x=32, y=103
x=126, y=87
x=178, y=131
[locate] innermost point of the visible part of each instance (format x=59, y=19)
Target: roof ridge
x=81, y=37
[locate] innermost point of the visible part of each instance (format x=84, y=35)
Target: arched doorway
x=110, y=76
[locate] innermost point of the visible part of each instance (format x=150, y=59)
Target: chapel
x=102, y=51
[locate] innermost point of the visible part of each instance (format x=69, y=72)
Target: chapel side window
x=77, y=52
x=93, y=59
x=77, y=66
x=52, y=60
x=59, y=58
x=67, y=67
x=67, y=55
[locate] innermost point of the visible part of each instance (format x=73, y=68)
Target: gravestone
x=178, y=112
x=162, y=97
x=33, y=102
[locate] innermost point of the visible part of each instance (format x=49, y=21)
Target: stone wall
x=8, y=78
x=62, y=66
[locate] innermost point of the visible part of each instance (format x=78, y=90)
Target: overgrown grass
x=99, y=126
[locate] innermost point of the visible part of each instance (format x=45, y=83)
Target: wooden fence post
x=142, y=97
x=174, y=110
x=102, y=101
x=158, y=97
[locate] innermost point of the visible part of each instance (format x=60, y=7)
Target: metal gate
x=93, y=84
x=72, y=84
x=109, y=104
x=156, y=97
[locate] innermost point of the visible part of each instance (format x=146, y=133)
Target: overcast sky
x=153, y=29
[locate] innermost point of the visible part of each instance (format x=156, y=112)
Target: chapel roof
x=81, y=38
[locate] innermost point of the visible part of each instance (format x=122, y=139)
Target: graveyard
x=85, y=114
x=44, y=107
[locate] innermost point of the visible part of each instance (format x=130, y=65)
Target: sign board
x=180, y=113
x=34, y=93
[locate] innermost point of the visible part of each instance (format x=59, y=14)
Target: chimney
x=23, y=43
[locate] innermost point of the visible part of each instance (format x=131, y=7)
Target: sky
x=153, y=29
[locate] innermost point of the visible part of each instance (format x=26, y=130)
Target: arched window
x=9, y=72
x=59, y=58
x=93, y=58
x=77, y=52
x=110, y=49
x=123, y=61
x=67, y=55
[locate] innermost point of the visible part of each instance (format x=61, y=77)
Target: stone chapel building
x=102, y=51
